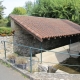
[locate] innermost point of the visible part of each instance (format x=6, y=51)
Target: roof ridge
x=37, y=17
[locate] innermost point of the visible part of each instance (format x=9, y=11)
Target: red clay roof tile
x=42, y=28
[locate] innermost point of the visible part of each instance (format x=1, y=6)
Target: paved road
x=10, y=74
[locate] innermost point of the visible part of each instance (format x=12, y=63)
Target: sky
x=10, y=4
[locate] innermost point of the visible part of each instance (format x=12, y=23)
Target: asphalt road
x=7, y=73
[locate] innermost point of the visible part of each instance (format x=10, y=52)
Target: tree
x=44, y=8
x=54, y=9
x=8, y=24
x=1, y=10
x=29, y=6
x=2, y=20
x=19, y=11
x=68, y=11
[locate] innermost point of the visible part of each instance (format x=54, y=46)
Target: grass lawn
x=5, y=31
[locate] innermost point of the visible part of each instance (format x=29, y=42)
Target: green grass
x=5, y=30
x=4, y=63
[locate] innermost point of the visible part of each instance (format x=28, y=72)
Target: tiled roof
x=42, y=28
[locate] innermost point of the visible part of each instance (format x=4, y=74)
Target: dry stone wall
x=9, y=47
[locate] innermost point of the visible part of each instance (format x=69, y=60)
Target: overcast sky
x=10, y=4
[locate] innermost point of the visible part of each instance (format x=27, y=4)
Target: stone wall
x=21, y=36
x=9, y=47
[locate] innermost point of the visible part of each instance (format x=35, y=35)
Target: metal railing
x=33, y=48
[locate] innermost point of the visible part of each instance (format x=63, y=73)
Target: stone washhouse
x=41, y=32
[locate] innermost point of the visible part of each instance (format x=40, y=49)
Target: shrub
x=5, y=30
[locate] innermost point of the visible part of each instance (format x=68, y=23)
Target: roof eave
x=40, y=39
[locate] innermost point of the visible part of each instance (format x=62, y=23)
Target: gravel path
x=10, y=74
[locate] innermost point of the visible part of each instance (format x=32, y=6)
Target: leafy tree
x=56, y=9
x=1, y=10
x=19, y=11
x=29, y=7
x=68, y=11
x=8, y=24
x=43, y=8
x=46, y=8
x=2, y=20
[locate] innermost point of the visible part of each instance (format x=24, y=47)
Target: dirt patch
x=75, y=69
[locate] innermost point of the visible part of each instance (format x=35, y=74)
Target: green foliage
x=19, y=11
x=43, y=8
x=5, y=30
x=1, y=10
x=3, y=22
x=8, y=24
x=29, y=7
x=4, y=63
x=50, y=8
x=66, y=9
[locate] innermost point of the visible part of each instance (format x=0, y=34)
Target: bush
x=3, y=22
x=5, y=31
